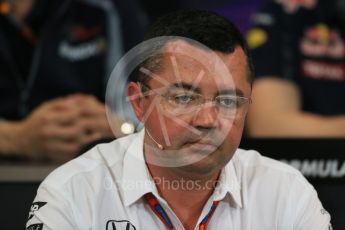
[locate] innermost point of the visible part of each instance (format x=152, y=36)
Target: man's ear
x=136, y=98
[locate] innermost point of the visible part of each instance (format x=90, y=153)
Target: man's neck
x=185, y=195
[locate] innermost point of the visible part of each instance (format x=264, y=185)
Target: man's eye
x=228, y=102
x=183, y=99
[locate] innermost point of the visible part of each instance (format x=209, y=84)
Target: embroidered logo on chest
x=120, y=225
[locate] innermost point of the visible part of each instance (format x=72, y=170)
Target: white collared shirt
x=104, y=188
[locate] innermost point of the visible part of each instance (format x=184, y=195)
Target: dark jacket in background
x=307, y=47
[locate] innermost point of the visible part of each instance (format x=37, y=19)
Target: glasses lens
x=181, y=102
x=232, y=106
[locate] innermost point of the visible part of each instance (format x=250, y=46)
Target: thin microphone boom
x=161, y=147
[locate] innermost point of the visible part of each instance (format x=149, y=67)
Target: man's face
x=202, y=139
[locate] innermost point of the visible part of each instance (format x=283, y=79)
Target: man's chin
x=202, y=163
x=199, y=170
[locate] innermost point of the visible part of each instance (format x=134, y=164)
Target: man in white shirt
x=184, y=169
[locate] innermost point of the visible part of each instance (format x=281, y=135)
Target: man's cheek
x=177, y=136
x=177, y=130
x=233, y=137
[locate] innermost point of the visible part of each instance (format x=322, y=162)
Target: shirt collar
x=228, y=185
x=136, y=179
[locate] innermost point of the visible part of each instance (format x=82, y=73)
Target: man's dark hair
x=208, y=28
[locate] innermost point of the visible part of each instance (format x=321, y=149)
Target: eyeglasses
x=180, y=101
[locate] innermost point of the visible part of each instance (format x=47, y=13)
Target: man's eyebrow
x=196, y=89
x=236, y=91
x=186, y=86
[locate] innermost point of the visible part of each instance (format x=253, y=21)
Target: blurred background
x=56, y=57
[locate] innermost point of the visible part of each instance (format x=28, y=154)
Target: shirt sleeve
x=50, y=210
x=310, y=214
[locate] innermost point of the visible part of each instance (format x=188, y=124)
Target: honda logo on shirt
x=120, y=225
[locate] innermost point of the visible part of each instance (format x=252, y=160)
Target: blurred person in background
x=298, y=52
x=55, y=60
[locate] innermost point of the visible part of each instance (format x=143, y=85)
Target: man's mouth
x=203, y=146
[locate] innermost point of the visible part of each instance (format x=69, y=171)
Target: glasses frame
x=243, y=100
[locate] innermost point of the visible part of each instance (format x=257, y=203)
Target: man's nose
x=206, y=116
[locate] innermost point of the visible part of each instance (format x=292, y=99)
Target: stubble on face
x=182, y=151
